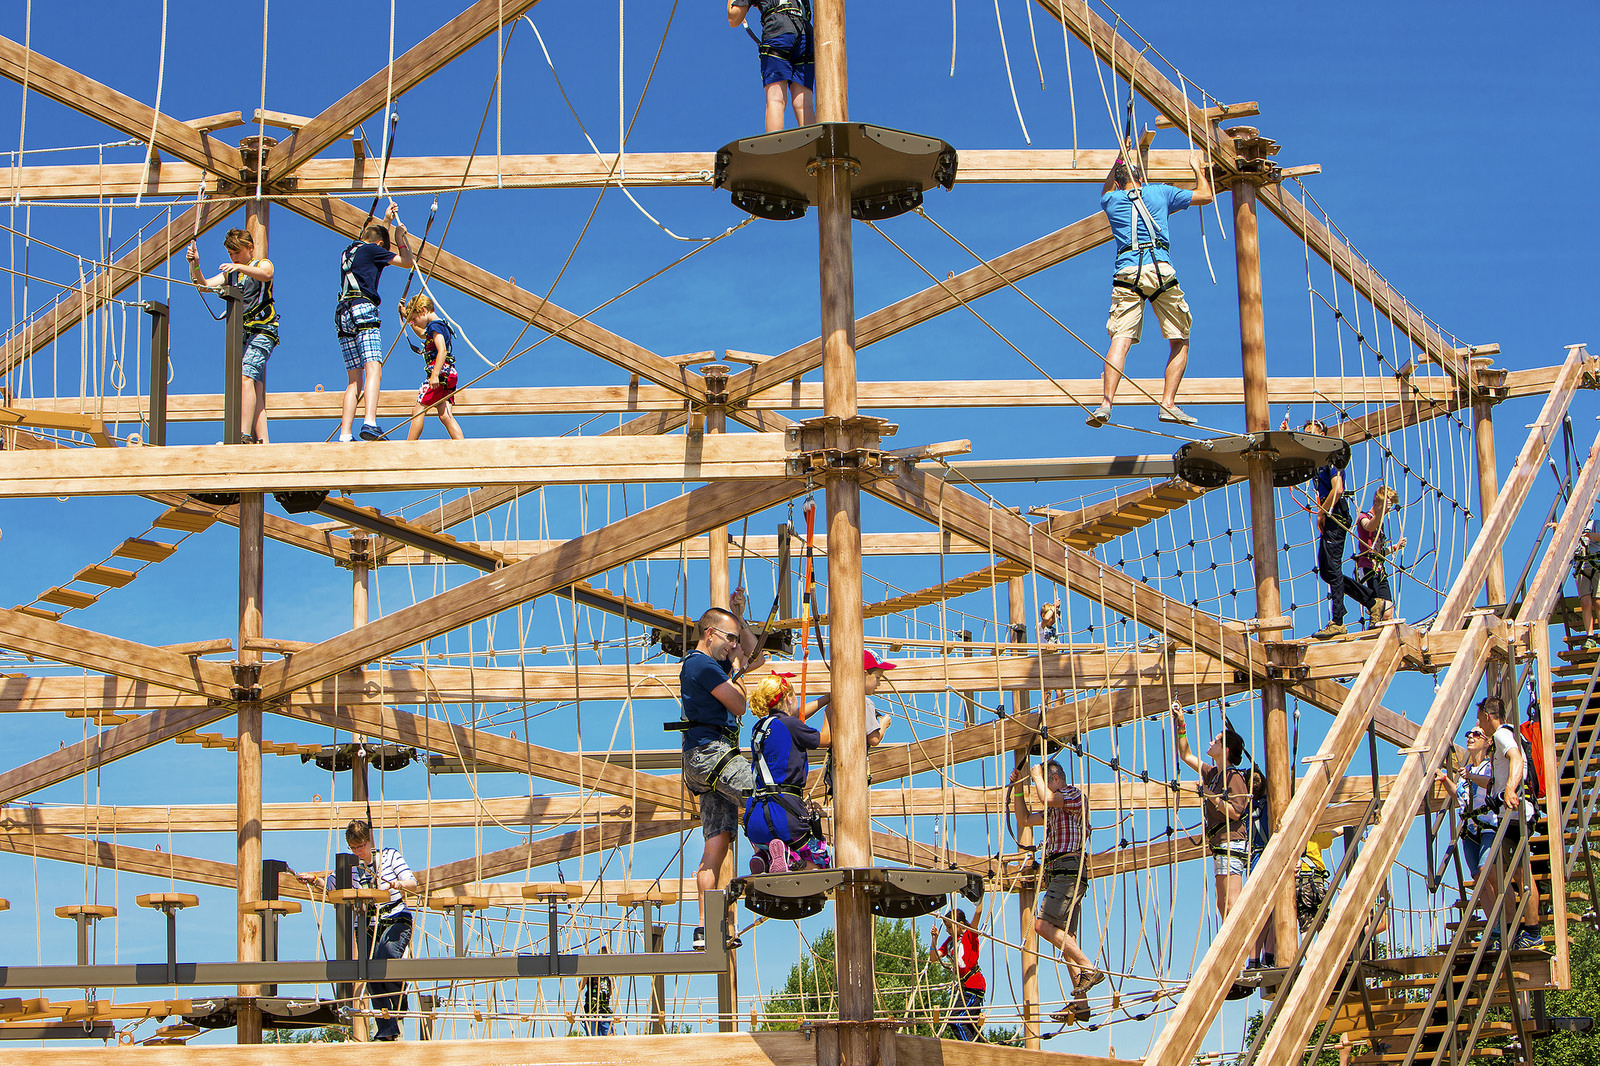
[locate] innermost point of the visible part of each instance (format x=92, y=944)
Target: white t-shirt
x=872, y=717
x=1505, y=738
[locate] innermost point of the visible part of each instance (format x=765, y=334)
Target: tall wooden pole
x=1263, y=508
x=851, y=813
x=727, y=981
x=248, y=810
x=1017, y=604
x=360, y=615
x=1488, y=490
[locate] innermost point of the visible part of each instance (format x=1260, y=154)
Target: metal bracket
x=844, y=446
x=1291, y=675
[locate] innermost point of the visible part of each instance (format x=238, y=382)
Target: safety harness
x=1586, y=560
x=799, y=12
x=1156, y=242
x=349, y=284
x=769, y=788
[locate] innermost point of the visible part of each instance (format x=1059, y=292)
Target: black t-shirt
x=360, y=268
x=779, y=17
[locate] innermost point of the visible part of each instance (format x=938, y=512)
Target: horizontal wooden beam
x=417, y=175
x=885, y=395
x=367, y=467
x=557, y=809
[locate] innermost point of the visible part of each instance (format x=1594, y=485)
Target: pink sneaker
x=778, y=857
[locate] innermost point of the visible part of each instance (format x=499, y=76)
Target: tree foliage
x=910, y=984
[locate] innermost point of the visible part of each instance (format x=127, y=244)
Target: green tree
x=327, y=1034
x=1582, y=1001
x=909, y=985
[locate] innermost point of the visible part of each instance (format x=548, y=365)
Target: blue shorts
x=359, y=340
x=257, y=349
x=788, y=57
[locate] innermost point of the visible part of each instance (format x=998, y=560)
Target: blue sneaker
x=371, y=431
x=1528, y=939
x=1494, y=939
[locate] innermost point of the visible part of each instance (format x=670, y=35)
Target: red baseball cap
x=870, y=662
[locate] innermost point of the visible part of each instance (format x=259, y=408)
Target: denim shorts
x=721, y=800
x=257, y=349
x=1225, y=861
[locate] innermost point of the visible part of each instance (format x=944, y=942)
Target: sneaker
x=1493, y=939
x=1269, y=961
x=1332, y=629
x=1528, y=940
x=1099, y=417
x=699, y=942
x=1590, y=644
x=1177, y=415
x=1064, y=1017
x=758, y=864
x=1087, y=980
x=371, y=431
x=246, y=438
x=779, y=857
x=1253, y=964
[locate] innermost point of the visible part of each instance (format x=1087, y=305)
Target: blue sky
x=1444, y=133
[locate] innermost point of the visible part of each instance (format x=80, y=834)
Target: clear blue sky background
x=1445, y=134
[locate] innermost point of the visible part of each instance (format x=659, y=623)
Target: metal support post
x=160, y=322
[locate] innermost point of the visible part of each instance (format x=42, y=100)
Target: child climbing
x=960, y=947
x=253, y=277
x=1333, y=527
x=775, y=817
x=1369, y=585
x=438, y=389
x=356, y=318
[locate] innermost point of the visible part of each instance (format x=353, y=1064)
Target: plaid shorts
x=359, y=339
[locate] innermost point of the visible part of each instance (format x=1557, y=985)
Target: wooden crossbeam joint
x=841, y=447
x=246, y=683
x=1254, y=156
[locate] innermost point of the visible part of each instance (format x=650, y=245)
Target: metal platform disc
x=773, y=176
x=896, y=892
x=1295, y=457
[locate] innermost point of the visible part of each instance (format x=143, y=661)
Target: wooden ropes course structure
x=463, y=720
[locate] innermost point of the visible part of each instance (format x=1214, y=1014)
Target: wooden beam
x=887, y=395
x=430, y=734
x=115, y=743
x=104, y=104
x=969, y=285
x=559, y=809
x=539, y=853
x=81, y=851
x=112, y=655
x=93, y=294
x=352, y=177
x=753, y=546
x=408, y=70
x=359, y=467
x=446, y=268
x=593, y=553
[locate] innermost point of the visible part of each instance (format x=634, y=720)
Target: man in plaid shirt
x=1065, y=840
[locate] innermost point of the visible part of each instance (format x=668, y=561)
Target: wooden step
x=188, y=518
x=146, y=551
x=66, y=597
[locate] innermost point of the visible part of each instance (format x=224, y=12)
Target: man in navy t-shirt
x=714, y=768
x=356, y=317
x=1138, y=215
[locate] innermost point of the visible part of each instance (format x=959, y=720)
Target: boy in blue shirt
x=714, y=768
x=1138, y=215
x=1333, y=529
x=788, y=63
x=356, y=317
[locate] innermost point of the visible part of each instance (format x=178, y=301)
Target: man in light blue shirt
x=1138, y=215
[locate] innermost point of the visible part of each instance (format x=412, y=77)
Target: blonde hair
x=1387, y=496
x=768, y=694
x=357, y=833
x=1049, y=612
x=237, y=240
x=417, y=304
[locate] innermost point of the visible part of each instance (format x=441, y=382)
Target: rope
x=155, y=114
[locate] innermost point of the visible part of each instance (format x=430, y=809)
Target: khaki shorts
x=1127, y=306
x=1063, y=892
